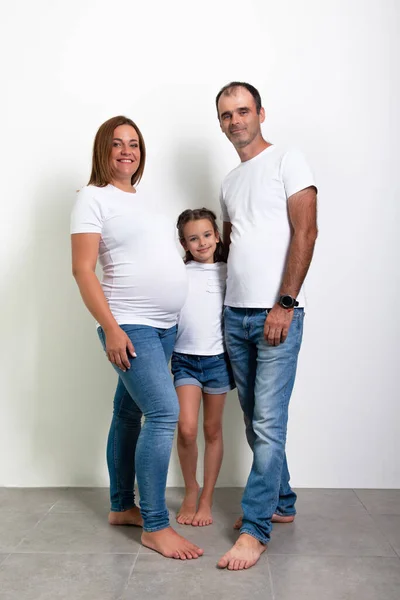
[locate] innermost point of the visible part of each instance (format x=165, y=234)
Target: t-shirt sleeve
x=86, y=215
x=296, y=173
x=224, y=211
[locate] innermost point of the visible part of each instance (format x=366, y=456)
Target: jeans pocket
x=298, y=313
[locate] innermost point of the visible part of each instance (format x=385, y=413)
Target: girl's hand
x=118, y=345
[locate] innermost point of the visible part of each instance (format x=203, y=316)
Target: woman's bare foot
x=170, y=544
x=126, y=517
x=275, y=519
x=188, y=509
x=243, y=555
x=203, y=515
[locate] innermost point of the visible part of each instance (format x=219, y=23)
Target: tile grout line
x=4, y=559
x=77, y=553
x=129, y=577
x=34, y=527
x=384, y=536
x=346, y=556
x=270, y=579
x=359, y=499
x=377, y=526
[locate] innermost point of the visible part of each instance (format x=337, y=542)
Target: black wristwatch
x=287, y=301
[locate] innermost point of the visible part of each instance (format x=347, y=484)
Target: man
x=269, y=212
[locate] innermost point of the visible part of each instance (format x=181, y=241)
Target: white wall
x=327, y=75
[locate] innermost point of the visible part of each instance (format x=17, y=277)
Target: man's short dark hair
x=235, y=84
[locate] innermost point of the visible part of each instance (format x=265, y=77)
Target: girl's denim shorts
x=213, y=374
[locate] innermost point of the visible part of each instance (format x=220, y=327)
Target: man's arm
x=302, y=208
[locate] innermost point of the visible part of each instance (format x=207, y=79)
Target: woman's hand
x=118, y=345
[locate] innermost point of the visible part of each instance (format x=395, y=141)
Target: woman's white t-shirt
x=144, y=278
x=200, y=327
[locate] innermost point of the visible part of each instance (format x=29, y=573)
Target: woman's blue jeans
x=144, y=389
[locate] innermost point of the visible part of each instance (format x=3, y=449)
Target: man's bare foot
x=275, y=519
x=203, y=515
x=126, y=517
x=170, y=544
x=282, y=519
x=243, y=555
x=187, y=511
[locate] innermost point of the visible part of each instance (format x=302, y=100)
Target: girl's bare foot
x=275, y=519
x=203, y=515
x=188, y=509
x=126, y=517
x=170, y=544
x=243, y=555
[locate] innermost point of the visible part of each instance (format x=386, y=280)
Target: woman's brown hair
x=220, y=254
x=101, y=174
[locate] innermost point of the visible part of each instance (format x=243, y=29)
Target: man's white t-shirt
x=144, y=277
x=254, y=200
x=200, y=320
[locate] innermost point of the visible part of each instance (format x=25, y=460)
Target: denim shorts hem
x=205, y=388
x=257, y=537
x=187, y=381
x=221, y=390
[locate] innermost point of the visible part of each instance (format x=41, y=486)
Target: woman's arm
x=85, y=249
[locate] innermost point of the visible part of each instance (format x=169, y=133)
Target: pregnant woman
x=136, y=307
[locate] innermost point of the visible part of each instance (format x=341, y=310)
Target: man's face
x=238, y=117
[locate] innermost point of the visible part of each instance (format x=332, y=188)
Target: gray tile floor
x=56, y=544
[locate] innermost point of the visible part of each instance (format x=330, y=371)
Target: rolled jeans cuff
x=122, y=507
x=156, y=522
x=262, y=540
x=286, y=513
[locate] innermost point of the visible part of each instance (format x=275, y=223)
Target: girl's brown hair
x=102, y=174
x=220, y=254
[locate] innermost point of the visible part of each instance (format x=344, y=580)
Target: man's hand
x=277, y=325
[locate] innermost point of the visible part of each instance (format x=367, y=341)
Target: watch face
x=287, y=301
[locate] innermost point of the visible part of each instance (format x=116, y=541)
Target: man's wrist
x=287, y=301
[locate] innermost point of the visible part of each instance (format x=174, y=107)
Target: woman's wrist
x=109, y=327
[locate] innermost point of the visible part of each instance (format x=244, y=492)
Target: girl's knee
x=187, y=434
x=212, y=432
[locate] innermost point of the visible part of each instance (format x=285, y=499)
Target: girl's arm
x=85, y=249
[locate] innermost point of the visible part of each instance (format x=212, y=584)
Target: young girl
x=200, y=364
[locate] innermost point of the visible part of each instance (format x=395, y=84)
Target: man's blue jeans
x=146, y=388
x=264, y=377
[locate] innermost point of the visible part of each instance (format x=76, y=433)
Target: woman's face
x=125, y=153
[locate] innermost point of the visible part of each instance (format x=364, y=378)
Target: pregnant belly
x=163, y=291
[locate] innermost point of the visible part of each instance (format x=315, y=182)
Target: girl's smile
x=200, y=240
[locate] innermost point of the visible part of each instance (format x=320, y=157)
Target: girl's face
x=125, y=152
x=200, y=239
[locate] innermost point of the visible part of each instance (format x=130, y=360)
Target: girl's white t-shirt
x=144, y=278
x=200, y=326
